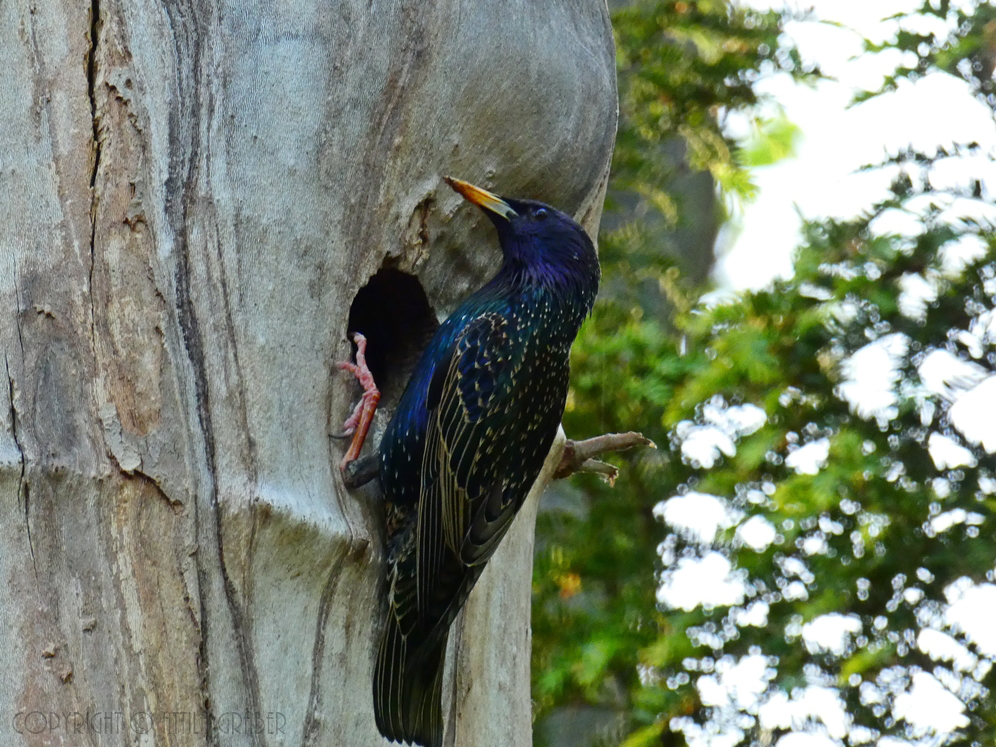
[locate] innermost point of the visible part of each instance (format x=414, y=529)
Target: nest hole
x=393, y=313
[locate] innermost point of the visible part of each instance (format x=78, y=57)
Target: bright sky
x=836, y=140
x=821, y=181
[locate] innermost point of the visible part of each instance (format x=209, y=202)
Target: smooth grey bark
x=191, y=195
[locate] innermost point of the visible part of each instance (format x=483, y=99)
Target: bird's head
x=534, y=235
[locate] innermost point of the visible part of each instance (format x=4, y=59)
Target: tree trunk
x=192, y=193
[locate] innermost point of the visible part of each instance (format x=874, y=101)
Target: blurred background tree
x=849, y=541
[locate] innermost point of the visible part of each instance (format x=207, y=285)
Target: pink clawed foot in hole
x=358, y=424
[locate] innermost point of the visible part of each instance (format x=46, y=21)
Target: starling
x=467, y=441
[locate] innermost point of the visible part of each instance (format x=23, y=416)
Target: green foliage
x=862, y=537
x=679, y=63
x=879, y=534
x=771, y=141
x=961, y=41
x=681, y=67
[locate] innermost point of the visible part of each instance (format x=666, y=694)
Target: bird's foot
x=358, y=423
x=580, y=456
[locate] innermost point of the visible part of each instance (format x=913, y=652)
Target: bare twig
x=579, y=456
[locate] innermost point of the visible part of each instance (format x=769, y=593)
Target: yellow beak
x=481, y=197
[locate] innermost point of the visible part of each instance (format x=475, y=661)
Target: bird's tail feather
x=408, y=688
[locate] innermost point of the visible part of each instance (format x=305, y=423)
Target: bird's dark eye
x=541, y=213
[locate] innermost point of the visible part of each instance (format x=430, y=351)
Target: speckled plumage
x=467, y=441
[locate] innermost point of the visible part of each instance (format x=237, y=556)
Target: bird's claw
x=358, y=423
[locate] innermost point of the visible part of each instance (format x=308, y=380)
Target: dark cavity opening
x=393, y=312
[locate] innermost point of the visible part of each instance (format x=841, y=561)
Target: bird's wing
x=474, y=395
